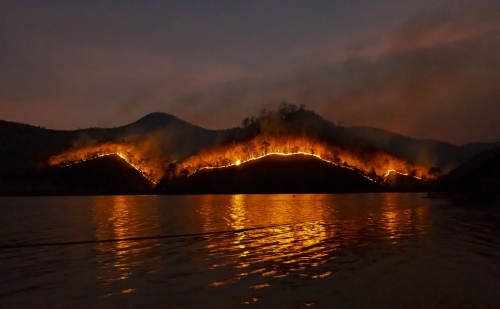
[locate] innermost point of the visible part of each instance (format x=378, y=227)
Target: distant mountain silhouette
x=406, y=183
x=479, y=177
x=25, y=149
x=427, y=151
x=272, y=174
x=101, y=176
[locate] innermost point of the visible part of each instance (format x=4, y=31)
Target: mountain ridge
x=25, y=149
x=296, y=173
x=412, y=148
x=447, y=155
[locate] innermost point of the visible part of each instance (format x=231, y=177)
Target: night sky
x=427, y=68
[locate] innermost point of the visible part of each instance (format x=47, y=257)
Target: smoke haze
x=429, y=69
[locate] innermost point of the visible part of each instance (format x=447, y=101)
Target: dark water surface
x=321, y=251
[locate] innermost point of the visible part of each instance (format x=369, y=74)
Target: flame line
x=394, y=171
x=240, y=162
x=143, y=173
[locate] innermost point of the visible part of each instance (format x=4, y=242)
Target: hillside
x=272, y=174
x=444, y=155
x=479, y=177
x=25, y=149
x=101, y=176
x=158, y=139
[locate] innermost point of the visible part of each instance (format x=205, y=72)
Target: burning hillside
x=295, y=130
x=150, y=167
x=286, y=131
x=108, y=174
x=374, y=164
x=294, y=173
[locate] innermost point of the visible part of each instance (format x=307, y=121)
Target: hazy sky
x=421, y=68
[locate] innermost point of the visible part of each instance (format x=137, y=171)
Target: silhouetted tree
x=248, y=150
x=245, y=122
x=286, y=108
x=252, y=150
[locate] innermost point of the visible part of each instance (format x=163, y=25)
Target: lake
x=261, y=251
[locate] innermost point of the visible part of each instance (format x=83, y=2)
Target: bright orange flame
x=151, y=169
x=373, y=164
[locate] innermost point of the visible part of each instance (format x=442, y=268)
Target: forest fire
x=375, y=165
x=403, y=174
x=295, y=130
x=239, y=162
x=151, y=169
x=290, y=130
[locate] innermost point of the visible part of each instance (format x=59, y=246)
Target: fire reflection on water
x=237, y=215
x=126, y=218
x=258, y=239
x=303, y=233
x=305, y=250
x=274, y=251
x=399, y=222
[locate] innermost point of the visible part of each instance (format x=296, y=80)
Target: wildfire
x=239, y=162
x=404, y=174
x=375, y=165
x=152, y=170
x=121, y=155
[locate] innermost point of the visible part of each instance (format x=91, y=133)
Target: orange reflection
x=119, y=217
x=295, y=246
x=237, y=214
x=301, y=234
x=398, y=221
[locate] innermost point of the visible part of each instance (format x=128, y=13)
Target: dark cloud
x=439, y=78
x=436, y=79
x=425, y=68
